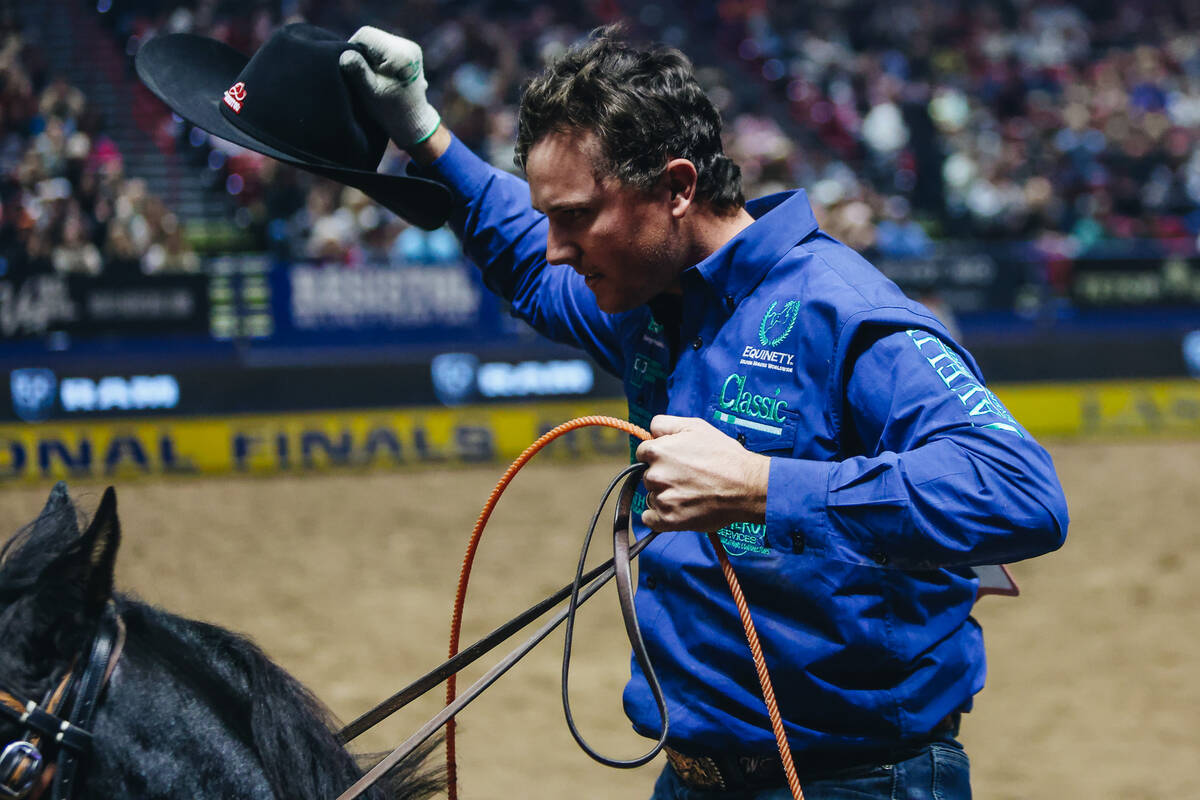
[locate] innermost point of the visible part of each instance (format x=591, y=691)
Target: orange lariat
x=727, y=568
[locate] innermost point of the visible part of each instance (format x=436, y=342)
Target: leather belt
x=733, y=772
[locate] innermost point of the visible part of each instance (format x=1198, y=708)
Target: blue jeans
x=938, y=771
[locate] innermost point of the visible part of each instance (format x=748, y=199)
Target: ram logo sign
x=453, y=377
x=115, y=393
x=33, y=393
x=460, y=377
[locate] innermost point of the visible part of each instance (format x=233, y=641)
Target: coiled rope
x=735, y=588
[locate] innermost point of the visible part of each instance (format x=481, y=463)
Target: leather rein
x=578, y=591
x=61, y=721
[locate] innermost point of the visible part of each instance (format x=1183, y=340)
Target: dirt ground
x=348, y=581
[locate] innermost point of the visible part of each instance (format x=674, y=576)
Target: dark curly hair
x=644, y=105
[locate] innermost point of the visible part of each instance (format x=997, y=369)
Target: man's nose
x=560, y=249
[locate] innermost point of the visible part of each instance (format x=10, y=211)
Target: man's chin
x=615, y=306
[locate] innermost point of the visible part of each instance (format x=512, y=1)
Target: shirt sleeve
x=506, y=238
x=947, y=477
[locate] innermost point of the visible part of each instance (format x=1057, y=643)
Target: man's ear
x=681, y=177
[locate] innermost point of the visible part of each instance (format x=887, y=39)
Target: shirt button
x=741, y=437
x=879, y=558
x=650, y=582
x=697, y=343
x=797, y=542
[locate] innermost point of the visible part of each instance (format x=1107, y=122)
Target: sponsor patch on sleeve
x=981, y=404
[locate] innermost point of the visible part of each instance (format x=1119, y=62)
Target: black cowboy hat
x=287, y=101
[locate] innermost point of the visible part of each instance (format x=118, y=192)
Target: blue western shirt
x=893, y=470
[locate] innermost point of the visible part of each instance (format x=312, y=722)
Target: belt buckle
x=699, y=772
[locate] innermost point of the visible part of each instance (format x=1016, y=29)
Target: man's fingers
x=356, y=68
x=657, y=522
x=652, y=520
x=376, y=42
x=664, y=424
x=390, y=55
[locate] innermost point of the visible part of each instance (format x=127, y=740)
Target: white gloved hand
x=391, y=79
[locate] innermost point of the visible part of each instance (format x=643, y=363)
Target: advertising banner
x=87, y=307
x=40, y=393
x=298, y=443
x=1136, y=283
x=303, y=443
x=411, y=304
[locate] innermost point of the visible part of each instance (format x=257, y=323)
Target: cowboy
x=833, y=434
x=842, y=443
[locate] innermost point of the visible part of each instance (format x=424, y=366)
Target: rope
x=464, y=578
x=760, y=664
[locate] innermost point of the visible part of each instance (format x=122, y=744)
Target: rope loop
x=485, y=514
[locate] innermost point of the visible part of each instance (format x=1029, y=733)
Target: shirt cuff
x=799, y=519
x=458, y=168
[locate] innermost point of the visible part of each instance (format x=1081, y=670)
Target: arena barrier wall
x=299, y=443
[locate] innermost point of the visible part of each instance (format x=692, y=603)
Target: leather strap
x=87, y=700
x=622, y=558
x=65, y=716
x=604, y=574
x=462, y=660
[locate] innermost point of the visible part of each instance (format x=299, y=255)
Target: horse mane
x=290, y=730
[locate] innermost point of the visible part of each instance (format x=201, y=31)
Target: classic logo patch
x=739, y=405
x=235, y=96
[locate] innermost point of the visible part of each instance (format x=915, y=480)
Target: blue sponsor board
x=1132, y=315
x=412, y=304
x=39, y=394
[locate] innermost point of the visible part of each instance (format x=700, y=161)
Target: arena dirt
x=347, y=581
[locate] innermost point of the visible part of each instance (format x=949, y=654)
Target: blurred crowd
x=66, y=204
x=1065, y=124
x=1059, y=124
x=477, y=54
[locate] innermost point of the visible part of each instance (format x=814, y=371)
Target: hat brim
x=190, y=74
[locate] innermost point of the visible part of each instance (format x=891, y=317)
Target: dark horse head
x=189, y=710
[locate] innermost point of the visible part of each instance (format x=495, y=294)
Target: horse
x=182, y=708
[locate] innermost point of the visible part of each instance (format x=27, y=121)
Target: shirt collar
x=782, y=221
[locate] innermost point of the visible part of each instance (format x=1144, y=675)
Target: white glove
x=391, y=79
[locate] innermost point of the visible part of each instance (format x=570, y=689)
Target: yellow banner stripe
x=392, y=438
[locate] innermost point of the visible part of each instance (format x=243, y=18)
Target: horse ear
x=100, y=542
x=59, y=503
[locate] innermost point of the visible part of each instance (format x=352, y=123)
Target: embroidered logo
x=979, y=401
x=776, y=325
x=235, y=96
x=740, y=538
x=409, y=72
x=740, y=406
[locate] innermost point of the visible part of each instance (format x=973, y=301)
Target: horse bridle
x=62, y=720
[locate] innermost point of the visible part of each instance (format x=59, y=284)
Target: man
x=843, y=445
